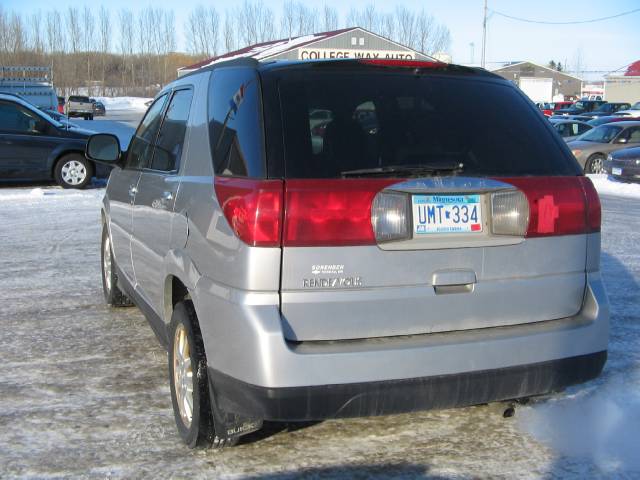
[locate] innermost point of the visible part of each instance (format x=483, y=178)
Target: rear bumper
x=256, y=372
x=407, y=395
x=627, y=169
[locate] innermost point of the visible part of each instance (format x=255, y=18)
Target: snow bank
x=601, y=426
x=607, y=185
x=124, y=103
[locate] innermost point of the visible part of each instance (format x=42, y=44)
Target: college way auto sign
x=323, y=53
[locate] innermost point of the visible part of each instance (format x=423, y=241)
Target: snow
x=124, y=103
x=84, y=389
x=263, y=51
x=607, y=185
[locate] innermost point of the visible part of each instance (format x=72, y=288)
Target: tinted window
x=391, y=119
x=631, y=135
x=141, y=147
x=14, y=118
x=171, y=136
x=79, y=99
x=601, y=134
x=582, y=128
x=235, y=123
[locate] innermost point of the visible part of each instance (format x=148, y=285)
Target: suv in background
x=607, y=109
x=79, y=106
x=580, y=107
x=401, y=263
x=36, y=147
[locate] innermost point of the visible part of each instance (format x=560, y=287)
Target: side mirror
x=104, y=148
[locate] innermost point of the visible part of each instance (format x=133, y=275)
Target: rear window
x=340, y=121
x=79, y=99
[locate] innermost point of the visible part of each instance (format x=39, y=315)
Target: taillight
x=253, y=209
x=390, y=216
x=330, y=212
x=509, y=213
x=594, y=210
x=558, y=205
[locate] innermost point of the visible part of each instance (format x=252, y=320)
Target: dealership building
x=623, y=86
x=541, y=84
x=353, y=42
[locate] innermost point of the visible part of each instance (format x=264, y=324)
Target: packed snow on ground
x=608, y=185
x=84, y=388
x=124, y=103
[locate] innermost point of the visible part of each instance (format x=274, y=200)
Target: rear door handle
x=443, y=278
x=167, y=196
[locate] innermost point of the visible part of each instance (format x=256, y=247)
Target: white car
x=633, y=112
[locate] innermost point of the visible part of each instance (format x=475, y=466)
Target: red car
x=548, y=108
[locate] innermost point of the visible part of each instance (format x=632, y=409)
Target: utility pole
x=484, y=35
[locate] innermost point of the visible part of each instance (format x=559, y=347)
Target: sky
x=602, y=47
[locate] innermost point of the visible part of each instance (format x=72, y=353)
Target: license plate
x=446, y=214
x=616, y=171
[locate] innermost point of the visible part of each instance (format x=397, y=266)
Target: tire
x=595, y=164
x=113, y=296
x=188, y=379
x=73, y=171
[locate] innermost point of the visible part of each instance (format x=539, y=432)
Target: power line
x=577, y=22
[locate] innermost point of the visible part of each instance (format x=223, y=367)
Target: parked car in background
x=80, y=106
x=35, y=147
x=633, y=112
x=549, y=108
x=408, y=263
x=592, y=148
x=580, y=107
x=570, y=129
x=597, y=121
x=578, y=118
x=624, y=164
x=98, y=108
x=608, y=109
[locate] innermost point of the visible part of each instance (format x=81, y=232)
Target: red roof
x=270, y=48
x=633, y=70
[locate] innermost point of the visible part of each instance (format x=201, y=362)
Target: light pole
x=484, y=35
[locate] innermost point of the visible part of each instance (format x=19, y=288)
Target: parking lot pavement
x=84, y=393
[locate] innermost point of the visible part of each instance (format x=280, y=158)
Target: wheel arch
x=63, y=153
x=175, y=290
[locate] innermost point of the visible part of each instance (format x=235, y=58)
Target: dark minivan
x=35, y=147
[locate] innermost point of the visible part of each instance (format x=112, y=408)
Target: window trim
x=162, y=112
x=172, y=93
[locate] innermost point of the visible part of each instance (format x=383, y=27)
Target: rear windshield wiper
x=405, y=170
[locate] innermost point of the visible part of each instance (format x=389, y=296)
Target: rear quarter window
x=337, y=121
x=235, y=123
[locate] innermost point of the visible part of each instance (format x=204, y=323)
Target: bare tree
x=104, y=40
x=405, y=23
x=125, y=18
x=36, y=38
x=202, y=31
x=329, y=20
x=288, y=19
x=229, y=32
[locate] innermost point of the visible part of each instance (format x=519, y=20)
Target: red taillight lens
x=253, y=209
x=594, y=210
x=330, y=212
x=558, y=205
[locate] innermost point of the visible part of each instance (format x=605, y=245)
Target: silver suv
x=417, y=249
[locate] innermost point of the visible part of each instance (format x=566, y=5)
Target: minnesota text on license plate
x=446, y=214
